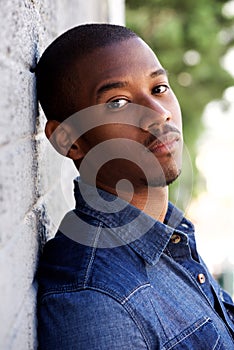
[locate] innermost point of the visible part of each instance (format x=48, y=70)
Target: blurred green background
x=190, y=38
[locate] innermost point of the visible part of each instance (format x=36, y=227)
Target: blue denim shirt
x=100, y=289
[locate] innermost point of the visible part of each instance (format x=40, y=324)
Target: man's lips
x=165, y=143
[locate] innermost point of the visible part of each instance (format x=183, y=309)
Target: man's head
x=110, y=67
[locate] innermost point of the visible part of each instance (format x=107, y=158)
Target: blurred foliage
x=190, y=38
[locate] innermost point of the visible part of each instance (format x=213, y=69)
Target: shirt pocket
x=200, y=335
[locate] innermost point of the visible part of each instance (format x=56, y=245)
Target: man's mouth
x=165, y=143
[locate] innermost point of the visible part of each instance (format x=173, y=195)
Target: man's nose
x=153, y=115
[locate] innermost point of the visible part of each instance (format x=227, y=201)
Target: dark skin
x=120, y=78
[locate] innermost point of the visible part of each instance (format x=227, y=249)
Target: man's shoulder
x=68, y=265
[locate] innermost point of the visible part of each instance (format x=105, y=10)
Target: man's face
x=139, y=132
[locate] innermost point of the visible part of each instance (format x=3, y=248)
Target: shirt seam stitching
x=134, y=291
x=94, y=249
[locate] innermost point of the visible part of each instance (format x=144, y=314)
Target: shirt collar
x=146, y=236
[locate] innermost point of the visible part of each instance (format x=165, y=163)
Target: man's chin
x=170, y=181
x=165, y=180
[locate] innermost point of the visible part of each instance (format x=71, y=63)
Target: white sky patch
x=228, y=9
x=191, y=57
x=227, y=61
x=213, y=211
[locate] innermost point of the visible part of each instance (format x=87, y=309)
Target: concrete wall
x=32, y=198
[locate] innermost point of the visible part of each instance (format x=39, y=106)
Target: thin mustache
x=157, y=134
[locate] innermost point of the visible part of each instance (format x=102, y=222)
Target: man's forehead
x=124, y=50
x=112, y=61
x=114, y=66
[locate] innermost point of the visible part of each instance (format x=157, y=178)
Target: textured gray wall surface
x=31, y=195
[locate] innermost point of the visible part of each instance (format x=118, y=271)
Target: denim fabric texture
x=108, y=292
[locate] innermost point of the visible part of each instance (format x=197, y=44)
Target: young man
x=123, y=271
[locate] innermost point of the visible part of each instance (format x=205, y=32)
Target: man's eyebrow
x=121, y=84
x=110, y=86
x=158, y=72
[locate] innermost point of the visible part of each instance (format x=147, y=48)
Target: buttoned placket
x=181, y=251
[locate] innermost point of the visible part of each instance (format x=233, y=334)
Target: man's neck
x=153, y=200
x=154, y=203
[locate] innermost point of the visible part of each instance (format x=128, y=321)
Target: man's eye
x=160, y=89
x=117, y=104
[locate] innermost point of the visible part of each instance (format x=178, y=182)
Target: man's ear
x=60, y=136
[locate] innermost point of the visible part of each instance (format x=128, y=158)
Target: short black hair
x=57, y=84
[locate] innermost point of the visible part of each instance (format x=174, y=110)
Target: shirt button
x=201, y=278
x=175, y=238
